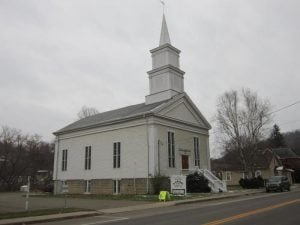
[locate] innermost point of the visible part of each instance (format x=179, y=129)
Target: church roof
x=129, y=113
x=110, y=116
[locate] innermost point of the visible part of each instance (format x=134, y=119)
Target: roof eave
x=105, y=123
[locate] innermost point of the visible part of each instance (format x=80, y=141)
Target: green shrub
x=197, y=183
x=250, y=183
x=160, y=183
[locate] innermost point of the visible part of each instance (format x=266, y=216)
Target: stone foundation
x=134, y=186
x=75, y=186
x=128, y=186
x=102, y=187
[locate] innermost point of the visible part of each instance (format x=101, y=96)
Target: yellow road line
x=256, y=211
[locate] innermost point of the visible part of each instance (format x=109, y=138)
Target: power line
x=285, y=107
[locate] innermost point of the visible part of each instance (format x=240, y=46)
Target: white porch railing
x=215, y=183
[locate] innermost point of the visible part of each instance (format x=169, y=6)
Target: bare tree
x=241, y=117
x=87, y=111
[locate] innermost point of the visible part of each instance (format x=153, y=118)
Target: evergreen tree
x=276, y=139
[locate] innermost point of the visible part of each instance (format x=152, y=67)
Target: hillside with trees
x=292, y=140
x=21, y=156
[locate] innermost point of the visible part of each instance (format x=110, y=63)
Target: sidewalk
x=180, y=202
x=55, y=217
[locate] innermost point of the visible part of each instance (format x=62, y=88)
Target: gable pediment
x=184, y=111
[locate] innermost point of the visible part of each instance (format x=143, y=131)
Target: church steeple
x=166, y=77
x=164, y=34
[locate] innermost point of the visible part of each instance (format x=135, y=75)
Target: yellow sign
x=164, y=196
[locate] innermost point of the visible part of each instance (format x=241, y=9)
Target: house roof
x=284, y=152
x=292, y=163
x=231, y=161
x=110, y=116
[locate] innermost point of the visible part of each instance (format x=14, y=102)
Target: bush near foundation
x=250, y=183
x=160, y=183
x=196, y=183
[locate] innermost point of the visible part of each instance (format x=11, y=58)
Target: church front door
x=185, y=162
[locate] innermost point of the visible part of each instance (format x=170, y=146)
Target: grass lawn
x=102, y=197
x=38, y=213
x=153, y=198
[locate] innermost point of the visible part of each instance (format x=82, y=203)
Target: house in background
x=120, y=151
x=290, y=162
x=230, y=169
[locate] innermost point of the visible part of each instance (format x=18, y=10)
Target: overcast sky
x=56, y=56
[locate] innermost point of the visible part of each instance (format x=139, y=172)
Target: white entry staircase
x=215, y=183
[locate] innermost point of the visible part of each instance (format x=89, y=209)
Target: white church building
x=120, y=151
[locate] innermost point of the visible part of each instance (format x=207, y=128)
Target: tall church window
x=171, y=149
x=88, y=158
x=117, y=155
x=64, y=160
x=196, y=151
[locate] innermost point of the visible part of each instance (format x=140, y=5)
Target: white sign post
x=178, y=185
x=27, y=194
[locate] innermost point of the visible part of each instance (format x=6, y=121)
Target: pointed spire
x=164, y=35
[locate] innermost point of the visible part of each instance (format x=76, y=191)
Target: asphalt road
x=264, y=209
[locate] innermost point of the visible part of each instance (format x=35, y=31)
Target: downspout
x=134, y=177
x=158, y=156
x=148, y=152
x=56, y=162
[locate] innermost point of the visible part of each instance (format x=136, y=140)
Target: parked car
x=278, y=183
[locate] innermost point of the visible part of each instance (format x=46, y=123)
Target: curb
x=47, y=218
x=207, y=199
x=173, y=203
x=136, y=207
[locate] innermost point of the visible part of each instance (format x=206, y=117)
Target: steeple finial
x=163, y=6
x=164, y=35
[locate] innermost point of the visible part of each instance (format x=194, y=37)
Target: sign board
x=164, y=196
x=178, y=184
